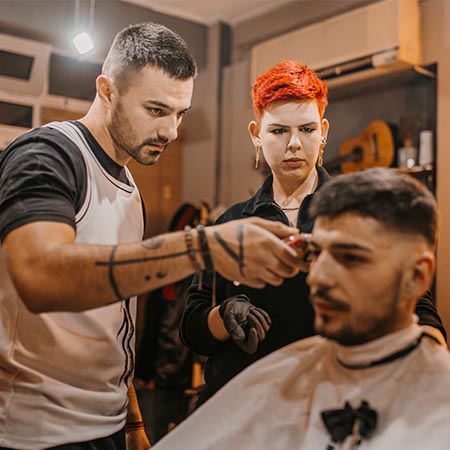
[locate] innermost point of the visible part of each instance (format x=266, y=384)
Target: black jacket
x=288, y=305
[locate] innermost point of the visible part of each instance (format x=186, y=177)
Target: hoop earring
x=323, y=144
x=258, y=154
x=320, y=157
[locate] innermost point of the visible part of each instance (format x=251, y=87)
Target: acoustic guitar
x=373, y=148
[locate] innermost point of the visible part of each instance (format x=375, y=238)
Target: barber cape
x=276, y=403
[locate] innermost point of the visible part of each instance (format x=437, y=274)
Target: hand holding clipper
x=300, y=242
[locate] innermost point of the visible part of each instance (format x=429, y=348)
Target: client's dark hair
x=397, y=200
x=138, y=46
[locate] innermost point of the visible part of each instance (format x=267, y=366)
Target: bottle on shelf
x=407, y=155
x=426, y=148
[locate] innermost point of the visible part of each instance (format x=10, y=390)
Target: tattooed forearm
x=112, y=263
x=154, y=243
x=148, y=263
x=141, y=260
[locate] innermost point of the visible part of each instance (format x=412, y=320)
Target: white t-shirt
x=277, y=402
x=64, y=376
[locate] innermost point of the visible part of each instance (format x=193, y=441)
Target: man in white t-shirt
x=373, y=379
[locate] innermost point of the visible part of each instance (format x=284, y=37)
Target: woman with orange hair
x=290, y=130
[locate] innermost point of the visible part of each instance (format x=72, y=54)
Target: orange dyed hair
x=288, y=80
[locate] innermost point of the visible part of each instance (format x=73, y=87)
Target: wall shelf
x=387, y=80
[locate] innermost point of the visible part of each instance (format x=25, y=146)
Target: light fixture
x=83, y=43
x=82, y=40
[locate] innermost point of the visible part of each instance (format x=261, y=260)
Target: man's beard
x=375, y=328
x=119, y=130
x=149, y=158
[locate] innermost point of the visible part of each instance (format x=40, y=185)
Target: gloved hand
x=247, y=324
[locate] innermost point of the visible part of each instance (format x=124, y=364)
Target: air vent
x=364, y=43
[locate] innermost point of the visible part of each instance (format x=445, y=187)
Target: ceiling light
x=83, y=41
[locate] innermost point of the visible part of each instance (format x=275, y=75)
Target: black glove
x=247, y=324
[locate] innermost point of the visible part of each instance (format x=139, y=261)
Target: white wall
x=240, y=180
x=201, y=127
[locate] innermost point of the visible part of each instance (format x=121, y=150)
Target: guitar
x=373, y=148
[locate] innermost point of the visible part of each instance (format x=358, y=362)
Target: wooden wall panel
x=49, y=114
x=160, y=187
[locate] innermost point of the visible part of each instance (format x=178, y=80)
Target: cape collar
x=380, y=351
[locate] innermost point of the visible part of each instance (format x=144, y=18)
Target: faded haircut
x=397, y=200
x=148, y=44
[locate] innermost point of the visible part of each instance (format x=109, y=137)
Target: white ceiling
x=211, y=11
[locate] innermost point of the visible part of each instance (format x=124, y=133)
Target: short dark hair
x=140, y=45
x=395, y=199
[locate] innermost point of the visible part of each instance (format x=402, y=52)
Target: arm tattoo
x=124, y=262
x=239, y=258
x=111, y=264
x=159, y=275
x=112, y=279
x=225, y=246
x=150, y=244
